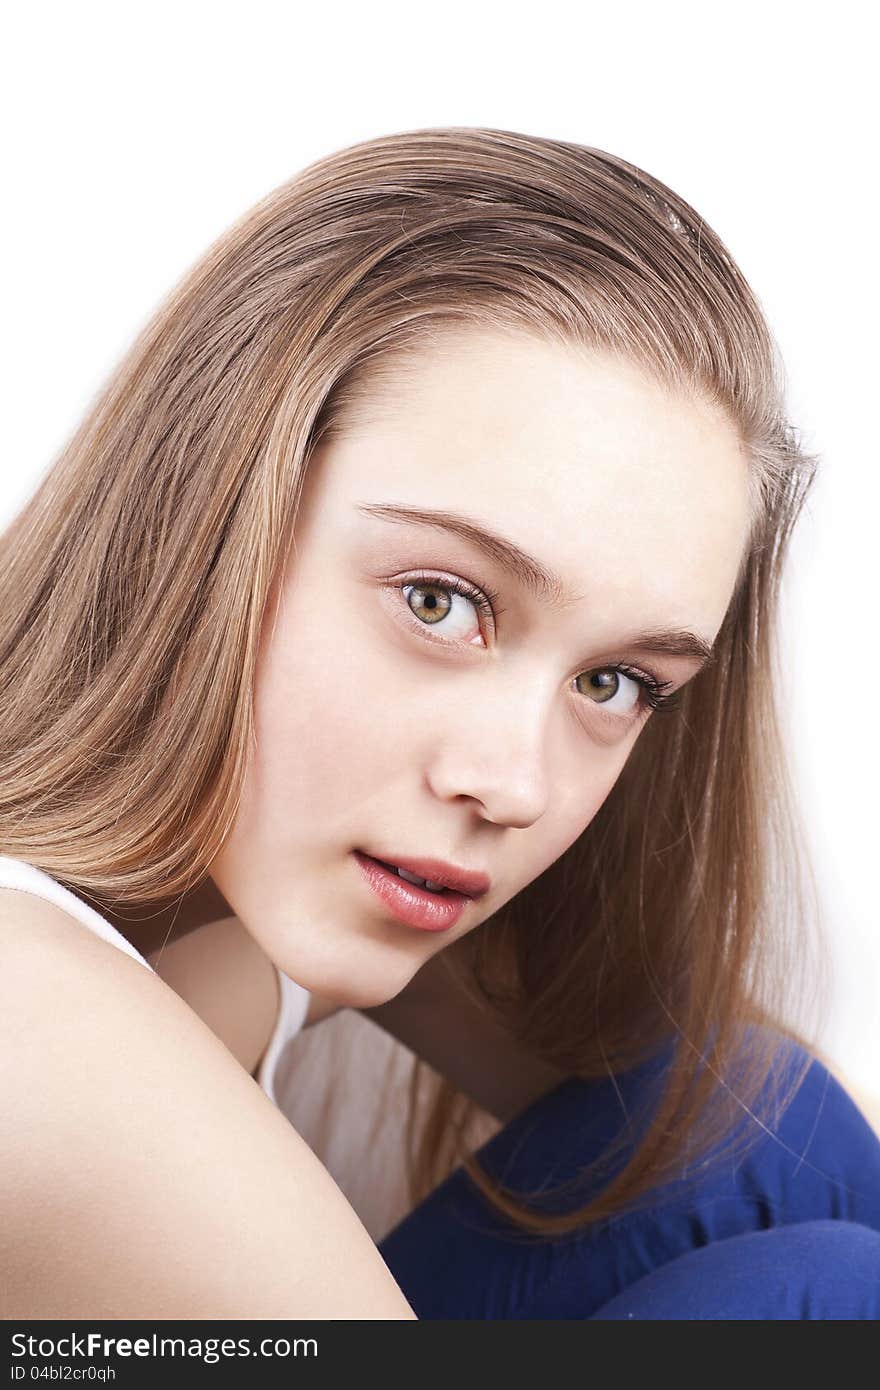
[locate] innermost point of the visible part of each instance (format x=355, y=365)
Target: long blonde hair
x=133, y=587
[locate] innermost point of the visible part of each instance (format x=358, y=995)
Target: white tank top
x=16, y=873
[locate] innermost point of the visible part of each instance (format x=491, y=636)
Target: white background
x=136, y=134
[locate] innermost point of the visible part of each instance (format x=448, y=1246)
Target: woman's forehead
x=584, y=462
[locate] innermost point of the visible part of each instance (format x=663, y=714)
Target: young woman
x=430, y=533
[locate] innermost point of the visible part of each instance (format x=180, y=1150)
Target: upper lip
x=466, y=881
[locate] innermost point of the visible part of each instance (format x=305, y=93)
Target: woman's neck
x=148, y=928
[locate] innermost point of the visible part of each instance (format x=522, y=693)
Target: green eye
x=432, y=606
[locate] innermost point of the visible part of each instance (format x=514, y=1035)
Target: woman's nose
x=499, y=757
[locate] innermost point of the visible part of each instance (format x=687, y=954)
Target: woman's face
x=407, y=723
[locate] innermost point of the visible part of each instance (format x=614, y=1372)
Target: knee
x=811, y=1270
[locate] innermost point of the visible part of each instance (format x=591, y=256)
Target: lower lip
x=417, y=907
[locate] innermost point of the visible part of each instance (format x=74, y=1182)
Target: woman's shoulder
x=143, y=1168
x=31, y=925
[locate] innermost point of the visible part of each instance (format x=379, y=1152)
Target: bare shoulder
x=144, y=1173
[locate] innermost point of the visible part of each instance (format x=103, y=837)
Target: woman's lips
x=417, y=907
x=472, y=883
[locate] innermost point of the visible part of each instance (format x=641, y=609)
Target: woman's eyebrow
x=542, y=583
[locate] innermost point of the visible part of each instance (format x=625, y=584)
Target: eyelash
x=654, y=695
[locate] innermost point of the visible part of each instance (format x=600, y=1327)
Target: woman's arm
x=144, y=1175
